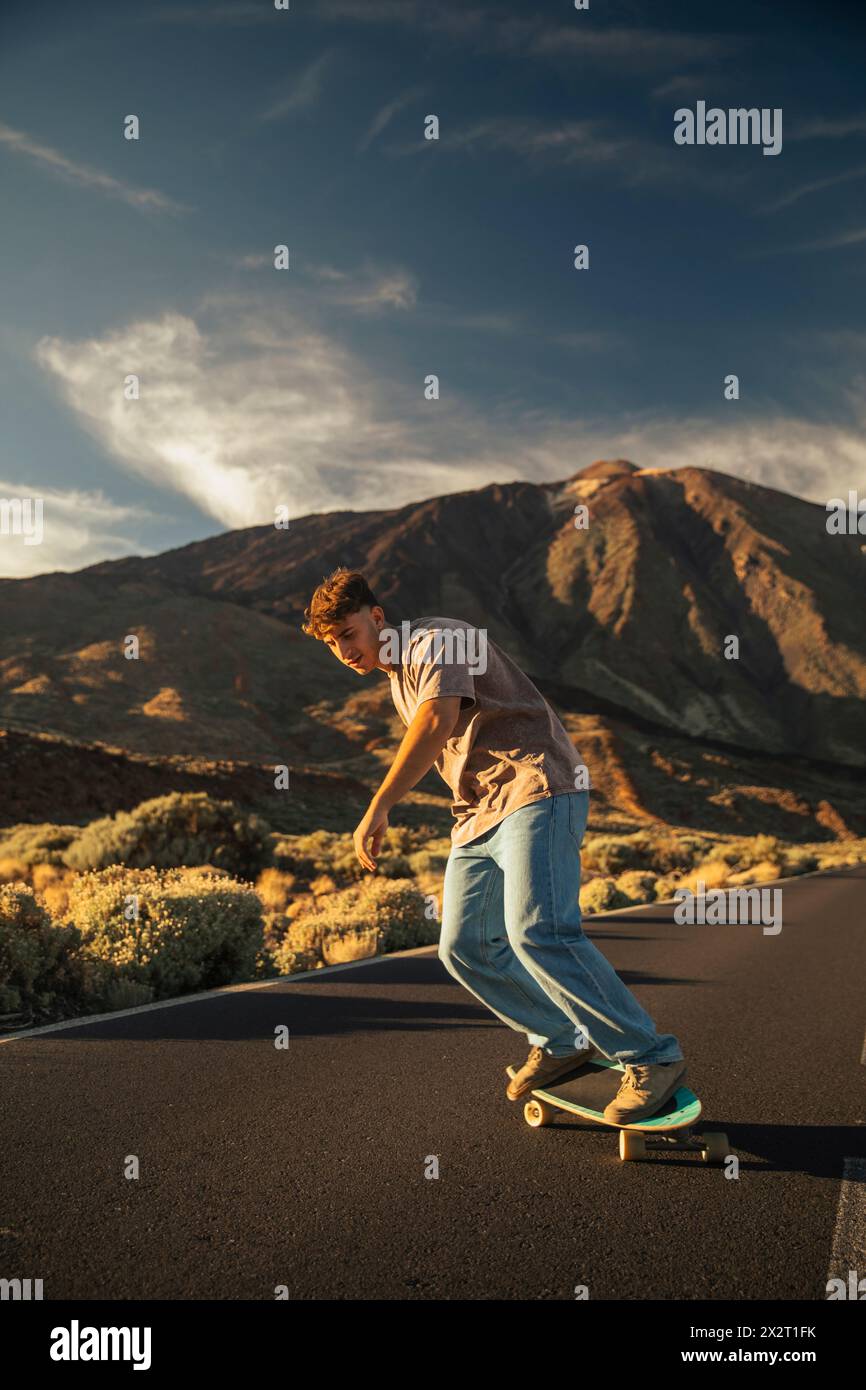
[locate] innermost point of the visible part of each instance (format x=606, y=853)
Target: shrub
x=37, y=844
x=300, y=947
x=321, y=852
x=431, y=860
x=847, y=852
x=40, y=966
x=601, y=895
x=638, y=885
x=322, y=885
x=13, y=871
x=611, y=855
x=41, y=875
x=799, y=860
x=375, y=916
x=120, y=993
x=325, y=853
x=678, y=850
x=665, y=887
x=713, y=873
x=190, y=933
x=274, y=887
x=183, y=828
x=55, y=898
x=763, y=872
x=760, y=849
x=399, y=909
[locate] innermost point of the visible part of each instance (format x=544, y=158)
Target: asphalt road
x=305, y=1167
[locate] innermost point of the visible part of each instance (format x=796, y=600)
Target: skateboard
x=587, y=1091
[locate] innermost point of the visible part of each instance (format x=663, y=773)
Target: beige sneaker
x=644, y=1088
x=540, y=1069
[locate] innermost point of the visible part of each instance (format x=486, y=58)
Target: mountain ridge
x=630, y=614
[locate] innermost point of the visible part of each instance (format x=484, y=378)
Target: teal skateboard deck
x=591, y=1087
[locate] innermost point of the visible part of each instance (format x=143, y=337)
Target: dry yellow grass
x=274, y=887
x=13, y=870
x=322, y=884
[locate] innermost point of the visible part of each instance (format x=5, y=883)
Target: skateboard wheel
x=716, y=1147
x=536, y=1113
x=632, y=1144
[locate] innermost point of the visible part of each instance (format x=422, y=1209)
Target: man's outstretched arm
x=421, y=745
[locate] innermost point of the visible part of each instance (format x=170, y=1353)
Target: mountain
x=623, y=622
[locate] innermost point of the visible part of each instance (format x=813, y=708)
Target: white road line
x=849, y=1237
x=589, y=919
x=213, y=993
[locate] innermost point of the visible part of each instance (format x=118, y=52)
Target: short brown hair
x=341, y=593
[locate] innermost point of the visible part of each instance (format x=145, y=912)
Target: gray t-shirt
x=508, y=747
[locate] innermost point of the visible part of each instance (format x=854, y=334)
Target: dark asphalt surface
x=306, y=1167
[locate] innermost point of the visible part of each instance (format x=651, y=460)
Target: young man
x=511, y=921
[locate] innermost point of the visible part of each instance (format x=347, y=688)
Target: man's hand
x=368, y=836
x=422, y=743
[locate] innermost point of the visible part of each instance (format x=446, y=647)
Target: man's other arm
x=421, y=745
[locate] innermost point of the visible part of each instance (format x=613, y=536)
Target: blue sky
x=305, y=387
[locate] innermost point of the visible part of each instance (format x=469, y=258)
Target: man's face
x=355, y=641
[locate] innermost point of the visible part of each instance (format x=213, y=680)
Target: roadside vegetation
x=186, y=893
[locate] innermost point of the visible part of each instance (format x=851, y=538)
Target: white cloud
x=793, y=455
x=256, y=410
x=78, y=528
x=144, y=199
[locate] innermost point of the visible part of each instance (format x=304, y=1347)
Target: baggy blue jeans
x=512, y=935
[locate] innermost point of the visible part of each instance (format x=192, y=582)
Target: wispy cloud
x=483, y=28
x=78, y=528
x=628, y=48
x=793, y=455
x=826, y=128
x=685, y=84
x=384, y=115
x=254, y=260
x=144, y=199
x=368, y=289
x=257, y=410
x=364, y=289
x=816, y=186
x=850, y=238
x=304, y=91
x=494, y=29
x=565, y=143
x=631, y=161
